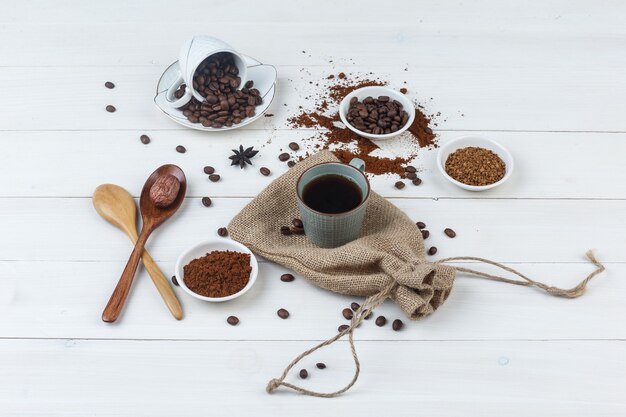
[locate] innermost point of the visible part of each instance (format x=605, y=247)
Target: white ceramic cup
x=192, y=54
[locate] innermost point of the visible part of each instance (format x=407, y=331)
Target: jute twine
x=375, y=300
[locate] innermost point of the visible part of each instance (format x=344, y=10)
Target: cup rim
x=334, y=214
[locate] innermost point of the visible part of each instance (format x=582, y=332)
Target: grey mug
x=333, y=230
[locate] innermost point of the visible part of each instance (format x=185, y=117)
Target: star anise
x=242, y=157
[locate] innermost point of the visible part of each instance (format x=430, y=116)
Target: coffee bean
x=450, y=233
x=410, y=168
x=283, y=156
x=320, y=365
x=181, y=149
x=355, y=306
x=265, y=171
x=297, y=223
x=397, y=325
x=399, y=185
x=367, y=314
x=421, y=225
x=222, y=231
x=175, y=281
x=109, y=85
x=304, y=374
x=214, y=177
x=417, y=181
x=342, y=328
x=291, y=164
x=377, y=116
x=297, y=230
x=294, y=146
x=145, y=139
x=285, y=230
x=110, y=108
x=209, y=170
x=232, y=320
x=287, y=278
x=206, y=201
x=425, y=234
x=411, y=175
x=381, y=321
x=347, y=314
x=282, y=313
x=432, y=250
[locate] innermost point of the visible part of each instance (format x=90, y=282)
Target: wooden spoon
x=114, y=204
x=152, y=217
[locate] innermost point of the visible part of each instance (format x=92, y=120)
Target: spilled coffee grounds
x=346, y=144
x=218, y=273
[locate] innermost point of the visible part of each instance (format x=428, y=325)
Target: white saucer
x=264, y=77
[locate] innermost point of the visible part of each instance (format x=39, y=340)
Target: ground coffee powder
x=218, y=273
x=475, y=166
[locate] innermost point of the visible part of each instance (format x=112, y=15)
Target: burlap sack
x=388, y=260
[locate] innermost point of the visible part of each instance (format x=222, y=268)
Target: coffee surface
x=332, y=194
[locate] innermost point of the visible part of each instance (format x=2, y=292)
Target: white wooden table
x=546, y=80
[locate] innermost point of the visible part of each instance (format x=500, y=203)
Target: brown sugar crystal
x=475, y=166
x=218, y=273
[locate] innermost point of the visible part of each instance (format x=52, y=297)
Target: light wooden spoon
x=114, y=204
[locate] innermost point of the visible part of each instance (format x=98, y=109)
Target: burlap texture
x=390, y=248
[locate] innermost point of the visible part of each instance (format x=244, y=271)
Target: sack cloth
x=387, y=260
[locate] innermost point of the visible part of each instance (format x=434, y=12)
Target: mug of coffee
x=192, y=55
x=332, y=198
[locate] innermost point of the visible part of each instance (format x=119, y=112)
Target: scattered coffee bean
x=399, y=185
x=355, y=306
x=410, y=168
x=397, y=325
x=222, y=231
x=294, y=146
x=450, y=233
x=421, y=225
x=209, y=170
x=403, y=90
x=291, y=164
x=367, y=314
x=232, y=320
x=214, y=177
x=417, y=181
x=411, y=175
x=377, y=115
x=110, y=108
x=347, y=314
x=320, y=365
x=425, y=234
x=283, y=156
x=432, y=250
x=297, y=223
x=145, y=139
x=265, y=171
x=297, y=230
x=282, y=313
x=109, y=85
x=181, y=149
x=206, y=201
x=175, y=281
x=381, y=321
x=342, y=328
x=285, y=230
x=304, y=374
x=287, y=278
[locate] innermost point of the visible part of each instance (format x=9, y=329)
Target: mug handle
x=178, y=102
x=358, y=164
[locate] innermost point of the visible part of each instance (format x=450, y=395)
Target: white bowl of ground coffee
x=475, y=163
x=217, y=270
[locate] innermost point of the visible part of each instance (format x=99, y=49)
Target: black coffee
x=332, y=194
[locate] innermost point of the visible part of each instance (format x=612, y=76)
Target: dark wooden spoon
x=152, y=217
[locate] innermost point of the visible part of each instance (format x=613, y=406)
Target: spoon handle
x=118, y=298
x=160, y=282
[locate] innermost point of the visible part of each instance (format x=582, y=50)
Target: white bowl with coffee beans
x=475, y=163
x=376, y=112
